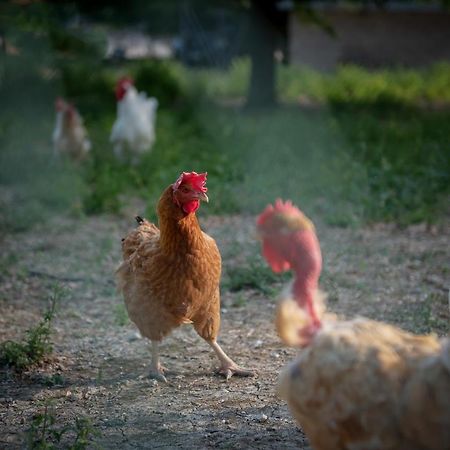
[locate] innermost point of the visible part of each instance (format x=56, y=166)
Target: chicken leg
x=228, y=367
x=156, y=369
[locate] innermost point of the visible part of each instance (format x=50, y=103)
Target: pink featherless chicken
x=69, y=135
x=170, y=276
x=356, y=384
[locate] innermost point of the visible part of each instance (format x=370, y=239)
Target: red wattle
x=277, y=263
x=190, y=207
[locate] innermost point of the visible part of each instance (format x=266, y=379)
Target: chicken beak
x=202, y=196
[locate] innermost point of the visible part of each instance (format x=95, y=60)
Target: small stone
x=134, y=336
x=263, y=418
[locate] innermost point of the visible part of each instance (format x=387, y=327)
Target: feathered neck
x=179, y=231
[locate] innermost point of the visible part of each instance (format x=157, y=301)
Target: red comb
x=286, y=207
x=122, y=85
x=196, y=180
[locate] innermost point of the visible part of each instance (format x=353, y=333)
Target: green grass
x=55, y=379
x=120, y=315
x=348, y=84
x=346, y=166
x=424, y=318
x=373, y=147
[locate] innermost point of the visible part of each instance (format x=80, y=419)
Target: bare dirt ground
x=399, y=276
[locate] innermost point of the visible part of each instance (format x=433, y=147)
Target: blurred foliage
x=157, y=16
x=348, y=84
x=305, y=13
x=91, y=90
x=350, y=147
x=159, y=79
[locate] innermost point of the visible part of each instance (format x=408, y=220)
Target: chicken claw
x=228, y=367
x=229, y=370
x=158, y=375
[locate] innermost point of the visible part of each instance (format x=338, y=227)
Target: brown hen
x=170, y=276
x=70, y=138
x=356, y=384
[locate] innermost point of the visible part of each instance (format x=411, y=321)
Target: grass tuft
x=37, y=344
x=256, y=275
x=46, y=434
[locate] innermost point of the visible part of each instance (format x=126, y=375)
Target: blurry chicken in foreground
x=170, y=276
x=133, y=132
x=69, y=135
x=357, y=384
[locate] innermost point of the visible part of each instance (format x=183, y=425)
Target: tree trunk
x=268, y=30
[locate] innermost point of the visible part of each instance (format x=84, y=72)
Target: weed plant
x=253, y=275
x=37, y=344
x=45, y=433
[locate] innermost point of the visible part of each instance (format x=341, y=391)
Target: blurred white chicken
x=133, y=132
x=69, y=135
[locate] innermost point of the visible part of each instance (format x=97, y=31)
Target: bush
x=159, y=79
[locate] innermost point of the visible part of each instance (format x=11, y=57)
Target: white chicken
x=69, y=135
x=133, y=132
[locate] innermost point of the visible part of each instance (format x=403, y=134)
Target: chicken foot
x=228, y=367
x=156, y=369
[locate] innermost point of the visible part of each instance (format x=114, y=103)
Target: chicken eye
x=184, y=189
